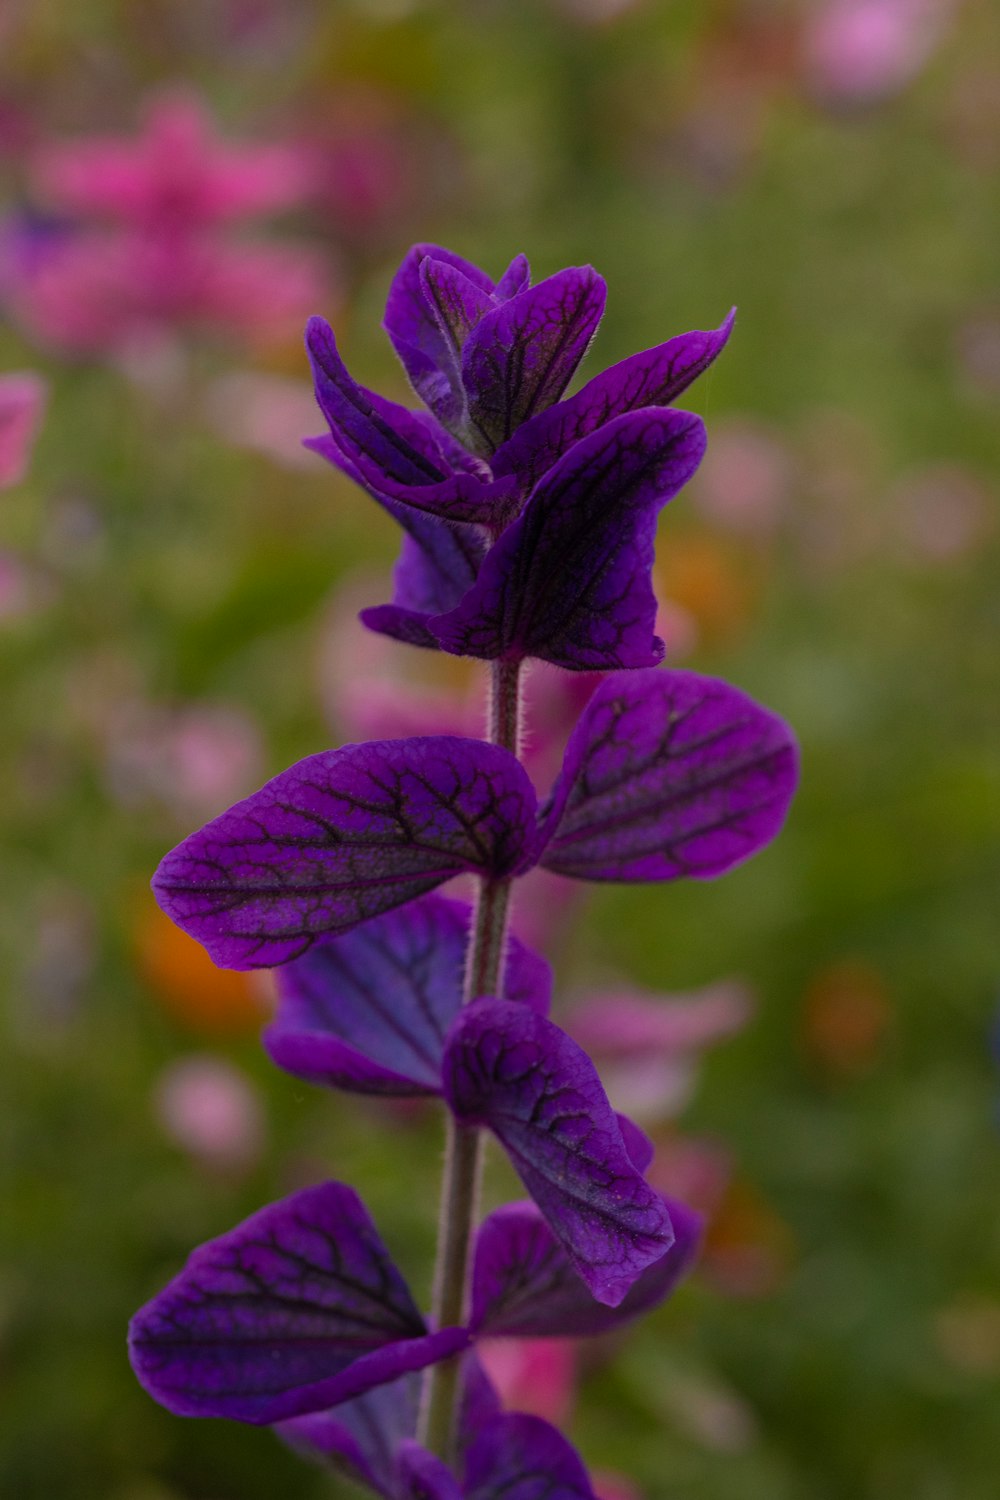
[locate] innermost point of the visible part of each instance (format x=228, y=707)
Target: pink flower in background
x=942, y=512
x=536, y=1376
x=648, y=1046
x=194, y=759
x=22, y=401
x=745, y=481
x=210, y=1109
x=152, y=249
x=857, y=51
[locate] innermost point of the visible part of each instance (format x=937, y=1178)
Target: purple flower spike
x=298, y=1308
x=656, y=377
x=668, y=774
x=569, y=581
x=436, y=566
x=360, y=1438
x=516, y=1073
x=368, y=1011
x=524, y=1285
x=520, y=358
x=343, y=836
x=523, y=1458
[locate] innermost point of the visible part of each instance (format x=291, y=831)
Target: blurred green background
x=167, y=577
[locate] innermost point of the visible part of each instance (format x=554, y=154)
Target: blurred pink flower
x=267, y=413
x=154, y=250
x=176, y=174
x=858, y=51
x=648, y=1046
x=942, y=512
x=608, y=1486
x=537, y=1376
x=745, y=481
x=195, y=759
x=23, y=589
x=22, y=401
x=210, y=1109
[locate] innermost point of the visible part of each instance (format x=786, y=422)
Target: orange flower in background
x=846, y=1018
x=748, y=1247
x=205, y=1000
x=715, y=583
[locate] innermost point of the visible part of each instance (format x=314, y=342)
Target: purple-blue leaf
x=520, y=358
x=437, y=563
x=416, y=334
x=569, y=581
x=368, y=1011
x=343, y=836
x=668, y=774
x=637, y=1143
x=360, y=1438
x=523, y=1458
x=516, y=1073
x=516, y=278
x=656, y=377
x=524, y=1285
x=422, y=1476
x=298, y=1308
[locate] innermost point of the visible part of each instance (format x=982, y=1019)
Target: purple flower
x=668, y=774
x=529, y=519
x=301, y=1308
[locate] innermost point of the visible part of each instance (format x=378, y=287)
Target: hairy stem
x=464, y=1145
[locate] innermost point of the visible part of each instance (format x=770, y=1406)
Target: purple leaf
x=457, y=304
x=516, y=278
x=421, y=1476
x=520, y=358
x=360, y=1438
x=523, y=1458
x=368, y=1011
x=343, y=836
x=569, y=580
x=656, y=377
x=516, y=1073
x=524, y=1285
x=669, y=774
x=298, y=1308
x=393, y=453
x=637, y=1143
x=416, y=334
x=437, y=563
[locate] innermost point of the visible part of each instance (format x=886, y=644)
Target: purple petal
x=669, y=774
x=637, y=1143
x=393, y=453
x=480, y=1400
x=523, y=1458
x=516, y=278
x=369, y=1011
x=416, y=334
x=457, y=304
x=360, y=1438
x=298, y=1308
x=437, y=563
x=520, y=358
x=343, y=836
x=569, y=581
x=524, y=1285
x=516, y=1073
x=421, y=1476
x=656, y=377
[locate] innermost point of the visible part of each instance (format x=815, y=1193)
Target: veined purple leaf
x=368, y=1011
x=516, y=278
x=656, y=377
x=569, y=581
x=457, y=304
x=392, y=452
x=668, y=774
x=343, y=836
x=436, y=562
x=298, y=1308
x=360, y=1438
x=523, y=1458
x=513, y=1071
x=524, y=1285
x=637, y=1143
x=422, y=1476
x=416, y=334
x=520, y=358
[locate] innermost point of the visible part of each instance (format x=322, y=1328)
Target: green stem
x=464, y=1145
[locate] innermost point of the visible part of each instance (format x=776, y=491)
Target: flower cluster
x=528, y=526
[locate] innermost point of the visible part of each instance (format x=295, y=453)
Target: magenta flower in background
x=22, y=401
x=859, y=51
x=149, y=246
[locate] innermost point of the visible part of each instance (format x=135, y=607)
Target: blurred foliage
x=679, y=148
